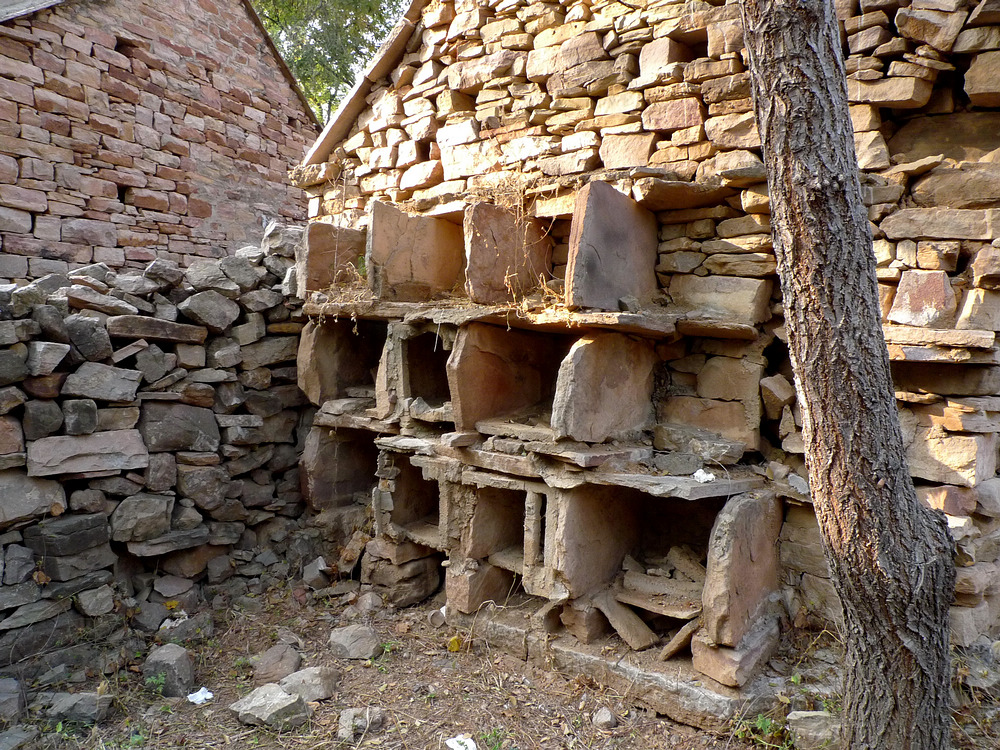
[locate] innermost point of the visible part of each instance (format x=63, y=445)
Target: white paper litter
x=703, y=476
x=204, y=695
x=461, y=743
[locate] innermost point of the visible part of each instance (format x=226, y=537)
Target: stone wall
x=591, y=167
x=134, y=130
x=150, y=432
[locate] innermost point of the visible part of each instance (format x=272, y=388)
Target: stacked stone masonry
x=150, y=433
x=546, y=325
x=133, y=130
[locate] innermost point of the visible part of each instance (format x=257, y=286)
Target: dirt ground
x=429, y=694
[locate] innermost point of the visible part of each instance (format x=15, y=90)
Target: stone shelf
x=650, y=323
x=352, y=413
x=685, y=488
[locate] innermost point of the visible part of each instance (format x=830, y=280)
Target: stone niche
x=408, y=504
x=497, y=373
x=339, y=359
x=337, y=468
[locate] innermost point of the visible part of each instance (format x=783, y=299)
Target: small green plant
x=155, y=682
x=493, y=739
x=764, y=731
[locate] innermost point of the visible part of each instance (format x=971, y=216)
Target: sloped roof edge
x=11, y=9
x=388, y=55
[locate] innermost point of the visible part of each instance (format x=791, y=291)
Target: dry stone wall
x=611, y=148
x=131, y=131
x=150, y=432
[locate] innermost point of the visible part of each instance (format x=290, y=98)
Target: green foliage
x=155, y=682
x=493, y=739
x=764, y=732
x=326, y=42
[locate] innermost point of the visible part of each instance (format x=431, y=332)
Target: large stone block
x=742, y=566
x=735, y=666
x=952, y=458
x=269, y=351
x=674, y=114
x=11, y=436
x=141, y=327
x=141, y=517
x=210, y=309
x=545, y=61
x=925, y=299
x=467, y=590
x=726, y=418
x=25, y=497
x=101, y=451
x=963, y=136
x=68, y=567
x=102, y=382
x=744, y=300
x=178, y=427
x=506, y=254
x=612, y=249
x=937, y=28
x=938, y=224
x=411, y=258
x=980, y=310
x=604, y=388
x=982, y=80
x=67, y=535
x=899, y=92
x=971, y=186
x=326, y=254
x=947, y=379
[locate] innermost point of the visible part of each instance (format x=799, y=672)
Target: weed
x=155, y=682
x=493, y=739
x=765, y=732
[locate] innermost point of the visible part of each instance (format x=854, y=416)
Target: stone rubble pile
x=150, y=432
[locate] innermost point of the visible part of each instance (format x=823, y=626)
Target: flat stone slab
x=612, y=249
x=102, y=382
x=658, y=194
x=505, y=254
x=604, y=388
x=25, y=497
x=115, y=450
x=411, y=258
x=141, y=327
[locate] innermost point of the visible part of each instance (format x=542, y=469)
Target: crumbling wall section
x=150, y=435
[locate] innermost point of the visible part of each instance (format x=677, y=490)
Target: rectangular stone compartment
x=598, y=528
x=339, y=359
x=345, y=468
x=360, y=347
x=425, y=373
x=416, y=501
x=503, y=377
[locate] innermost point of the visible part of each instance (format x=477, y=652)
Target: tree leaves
x=326, y=42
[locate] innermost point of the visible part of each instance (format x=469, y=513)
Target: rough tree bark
x=891, y=558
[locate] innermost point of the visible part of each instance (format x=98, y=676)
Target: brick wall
x=131, y=130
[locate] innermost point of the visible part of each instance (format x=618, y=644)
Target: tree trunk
x=890, y=557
